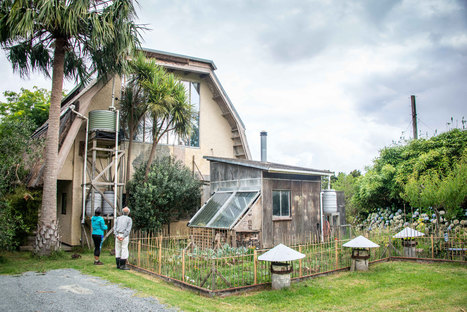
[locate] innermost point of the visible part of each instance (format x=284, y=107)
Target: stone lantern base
x=409, y=248
x=280, y=275
x=359, y=260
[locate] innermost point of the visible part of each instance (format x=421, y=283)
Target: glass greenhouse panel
x=209, y=210
x=233, y=210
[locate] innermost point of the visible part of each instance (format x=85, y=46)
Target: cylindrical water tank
x=97, y=203
x=103, y=120
x=107, y=209
x=329, y=201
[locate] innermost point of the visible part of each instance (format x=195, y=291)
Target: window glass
x=281, y=203
x=276, y=203
x=208, y=211
x=144, y=131
x=233, y=209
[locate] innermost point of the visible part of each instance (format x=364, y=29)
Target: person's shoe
x=123, y=265
x=117, y=260
x=98, y=262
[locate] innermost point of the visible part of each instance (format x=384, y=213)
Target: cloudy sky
x=330, y=81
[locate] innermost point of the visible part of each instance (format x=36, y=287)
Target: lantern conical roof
x=408, y=233
x=281, y=253
x=360, y=242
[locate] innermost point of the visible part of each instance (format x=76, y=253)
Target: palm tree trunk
x=47, y=239
x=150, y=159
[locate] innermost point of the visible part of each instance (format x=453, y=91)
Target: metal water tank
x=107, y=209
x=103, y=120
x=97, y=203
x=329, y=201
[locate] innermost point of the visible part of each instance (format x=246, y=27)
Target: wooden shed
x=261, y=204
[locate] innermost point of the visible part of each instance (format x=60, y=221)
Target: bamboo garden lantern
x=281, y=266
x=360, y=252
x=408, y=236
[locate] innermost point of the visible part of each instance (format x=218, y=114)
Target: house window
x=64, y=203
x=281, y=203
x=144, y=132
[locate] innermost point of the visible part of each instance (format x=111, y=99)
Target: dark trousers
x=97, y=244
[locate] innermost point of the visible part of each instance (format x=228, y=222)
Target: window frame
x=282, y=217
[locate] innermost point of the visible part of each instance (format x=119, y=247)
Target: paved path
x=69, y=290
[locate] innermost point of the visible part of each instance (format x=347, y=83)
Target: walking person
x=98, y=228
x=122, y=237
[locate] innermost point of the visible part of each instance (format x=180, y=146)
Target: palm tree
x=169, y=108
x=70, y=39
x=133, y=106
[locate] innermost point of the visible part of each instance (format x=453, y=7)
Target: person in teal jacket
x=98, y=228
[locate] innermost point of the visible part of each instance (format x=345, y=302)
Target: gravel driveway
x=69, y=290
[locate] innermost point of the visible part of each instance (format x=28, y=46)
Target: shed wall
x=304, y=218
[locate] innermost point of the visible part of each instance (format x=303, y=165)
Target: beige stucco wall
x=215, y=140
x=215, y=135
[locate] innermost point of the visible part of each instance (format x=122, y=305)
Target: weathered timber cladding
x=230, y=172
x=304, y=212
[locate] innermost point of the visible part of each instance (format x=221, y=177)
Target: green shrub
x=169, y=193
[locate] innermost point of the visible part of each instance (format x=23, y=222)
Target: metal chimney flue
x=264, y=146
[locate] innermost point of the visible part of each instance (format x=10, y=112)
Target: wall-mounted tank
x=97, y=203
x=329, y=202
x=102, y=120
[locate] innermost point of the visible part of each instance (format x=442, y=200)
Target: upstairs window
x=144, y=132
x=281, y=203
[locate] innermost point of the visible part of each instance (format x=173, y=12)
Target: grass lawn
x=393, y=286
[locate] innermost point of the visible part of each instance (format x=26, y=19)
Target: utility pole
x=414, y=117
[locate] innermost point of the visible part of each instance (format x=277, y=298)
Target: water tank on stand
x=97, y=203
x=329, y=202
x=102, y=120
x=107, y=209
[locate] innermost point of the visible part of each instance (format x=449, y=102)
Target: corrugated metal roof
x=281, y=253
x=408, y=233
x=360, y=242
x=270, y=167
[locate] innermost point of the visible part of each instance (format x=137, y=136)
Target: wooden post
x=432, y=249
x=160, y=255
x=300, y=261
x=255, y=263
x=337, y=258
x=139, y=252
x=183, y=264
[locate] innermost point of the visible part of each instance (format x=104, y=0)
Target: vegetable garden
x=226, y=268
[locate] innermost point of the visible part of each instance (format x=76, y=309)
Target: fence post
x=300, y=261
x=255, y=264
x=160, y=254
x=183, y=264
x=432, y=249
x=337, y=259
x=213, y=274
x=139, y=253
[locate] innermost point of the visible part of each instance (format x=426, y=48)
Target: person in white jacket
x=122, y=237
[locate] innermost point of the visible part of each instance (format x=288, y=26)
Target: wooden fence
x=178, y=259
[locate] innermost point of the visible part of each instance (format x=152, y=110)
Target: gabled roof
x=270, y=167
x=205, y=68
